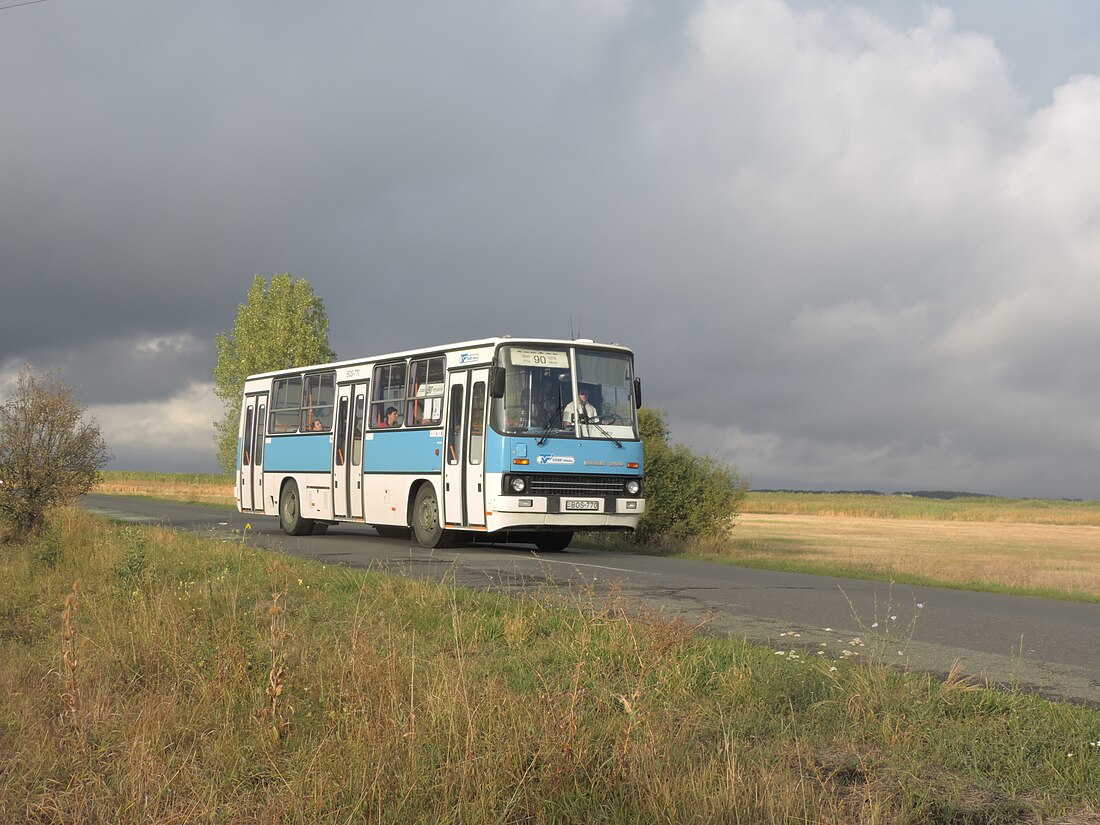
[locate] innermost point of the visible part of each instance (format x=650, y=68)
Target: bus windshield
x=550, y=394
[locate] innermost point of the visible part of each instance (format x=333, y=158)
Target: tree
x=49, y=454
x=688, y=496
x=284, y=325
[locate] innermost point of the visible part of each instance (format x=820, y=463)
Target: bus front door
x=464, y=450
x=347, y=451
x=251, y=489
x=475, y=450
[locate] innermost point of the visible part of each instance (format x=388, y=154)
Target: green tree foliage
x=48, y=453
x=279, y=326
x=688, y=496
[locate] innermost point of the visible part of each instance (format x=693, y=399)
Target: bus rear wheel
x=552, y=542
x=290, y=512
x=426, y=525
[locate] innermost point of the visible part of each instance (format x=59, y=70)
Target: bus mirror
x=638, y=393
x=496, y=382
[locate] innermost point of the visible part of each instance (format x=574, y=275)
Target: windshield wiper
x=595, y=422
x=550, y=422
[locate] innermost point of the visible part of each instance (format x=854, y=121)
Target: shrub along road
x=1046, y=646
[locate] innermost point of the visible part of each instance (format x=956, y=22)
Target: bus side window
x=427, y=378
x=318, y=400
x=389, y=391
x=286, y=404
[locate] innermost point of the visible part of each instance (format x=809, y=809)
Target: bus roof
x=460, y=345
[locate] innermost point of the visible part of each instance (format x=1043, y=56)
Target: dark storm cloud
x=851, y=246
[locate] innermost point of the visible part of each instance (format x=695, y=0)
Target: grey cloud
x=850, y=245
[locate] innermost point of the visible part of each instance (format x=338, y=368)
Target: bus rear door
x=347, y=451
x=252, y=453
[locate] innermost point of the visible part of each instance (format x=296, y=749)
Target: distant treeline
x=943, y=495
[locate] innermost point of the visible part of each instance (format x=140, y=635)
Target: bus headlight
x=632, y=487
x=518, y=484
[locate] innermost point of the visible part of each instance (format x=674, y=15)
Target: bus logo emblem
x=550, y=458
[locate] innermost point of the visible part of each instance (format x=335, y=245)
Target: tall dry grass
x=405, y=701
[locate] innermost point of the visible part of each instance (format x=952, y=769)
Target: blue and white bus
x=481, y=439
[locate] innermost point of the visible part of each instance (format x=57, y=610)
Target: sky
x=854, y=245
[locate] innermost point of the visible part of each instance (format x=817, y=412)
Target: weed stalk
x=70, y=695
x=277, y=710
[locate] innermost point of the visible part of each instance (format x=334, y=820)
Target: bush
x=48, y=454
x=688, y=496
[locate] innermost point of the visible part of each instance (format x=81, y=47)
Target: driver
x=582, y=408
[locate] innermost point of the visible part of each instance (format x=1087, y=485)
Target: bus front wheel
x=290, y=512
x=426, y=525
x=552, y=542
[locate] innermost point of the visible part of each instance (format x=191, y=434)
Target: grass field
x=1039, y=547
x=150, y=675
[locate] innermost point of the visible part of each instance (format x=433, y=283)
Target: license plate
x=574, y=504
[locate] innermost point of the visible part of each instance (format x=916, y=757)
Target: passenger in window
x=317, y=426
x=585, y=410
x=391, y=418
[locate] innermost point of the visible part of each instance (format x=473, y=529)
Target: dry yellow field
x=1034, y=556
x=202, y=489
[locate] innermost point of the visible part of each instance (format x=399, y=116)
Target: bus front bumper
x=580, y=512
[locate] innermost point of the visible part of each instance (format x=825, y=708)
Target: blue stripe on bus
x=403, y=451
x=562, y=455
x=299, y=454
x=418, y=451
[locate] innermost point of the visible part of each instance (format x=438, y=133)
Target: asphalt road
x=1040, y=645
